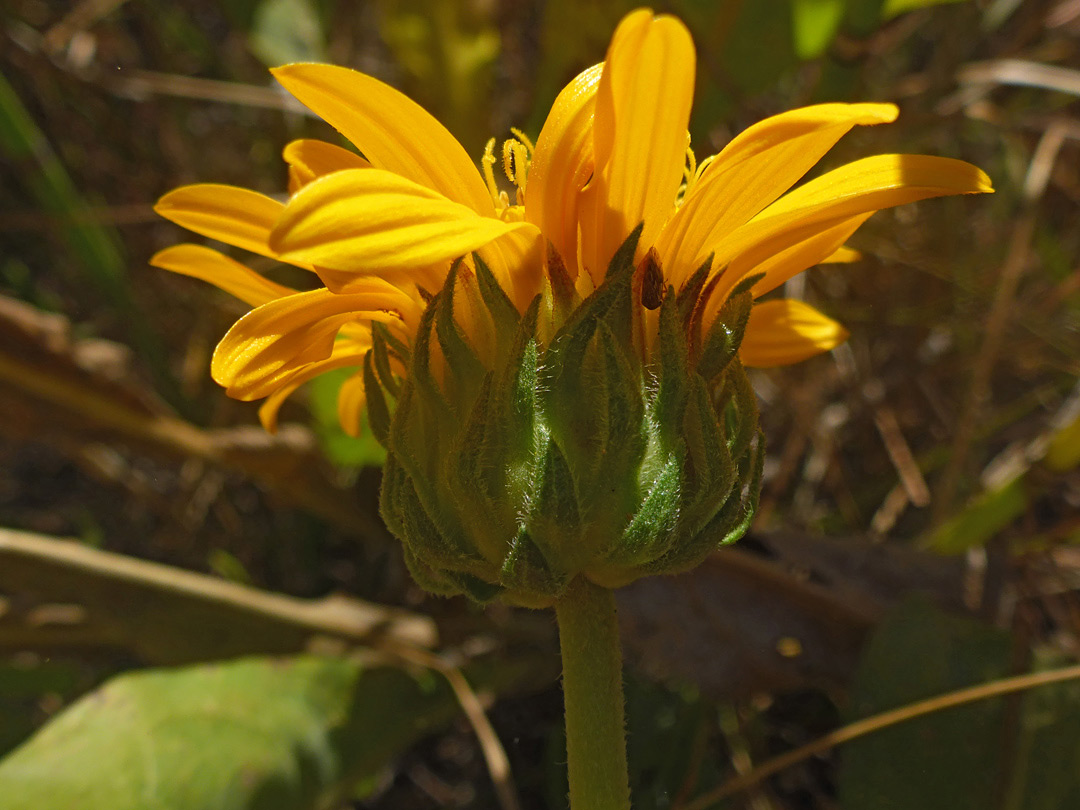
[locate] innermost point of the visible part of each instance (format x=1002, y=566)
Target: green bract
x=568, y=454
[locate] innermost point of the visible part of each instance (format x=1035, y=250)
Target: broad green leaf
x=253, y=734
x=814, y=23
x=287, y=31
x=943, y=761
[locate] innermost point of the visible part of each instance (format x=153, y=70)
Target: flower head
x=558, y=376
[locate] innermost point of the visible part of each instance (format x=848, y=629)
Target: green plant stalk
x=593, y=694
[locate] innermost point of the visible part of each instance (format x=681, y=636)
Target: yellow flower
x=380, y=232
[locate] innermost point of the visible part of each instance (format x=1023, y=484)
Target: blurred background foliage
x=233, y=628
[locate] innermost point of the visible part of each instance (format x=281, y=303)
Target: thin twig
x=899, y=452
x=1022, y=73
x=61, y=562
x=878, y=722
x=890, y=510
x=896, y=445
x=138, y=84
x=498, y=764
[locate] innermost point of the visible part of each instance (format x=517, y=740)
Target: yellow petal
x=233, y=215
x=390, y=129
x=516, y=261
x=346, y=353
x=428, y=279
x=639, y=135
x=881, y=181
x=858, y=188
x=752, y=171
x=818, y=248
x=402, y=299
x=787, y=331
x=562, y=164
x=352, y=397
x=816, y=121
x=268, y=411
x=309, y=158
x=267, y=346
x=221, y=271
x=254, y=366
x=345, y=281
x=842, y=255
x=374, y=221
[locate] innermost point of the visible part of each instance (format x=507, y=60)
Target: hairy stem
x=593, y=693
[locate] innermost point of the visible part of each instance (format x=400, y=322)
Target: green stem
x=593, y=694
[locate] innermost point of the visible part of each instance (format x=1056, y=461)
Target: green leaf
x=725, y=335
x=287, y=31
x=650, y=531
x=710, y=468
x=378, y=412
x=814, y=23
x=993, y=510
x=674, y=371
x=943, y=761
x=984, y=517
x=504, y=314
x=525, y=568
x=254, y=734
x=466, y=372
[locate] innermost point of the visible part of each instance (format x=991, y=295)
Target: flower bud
x=566, y=451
